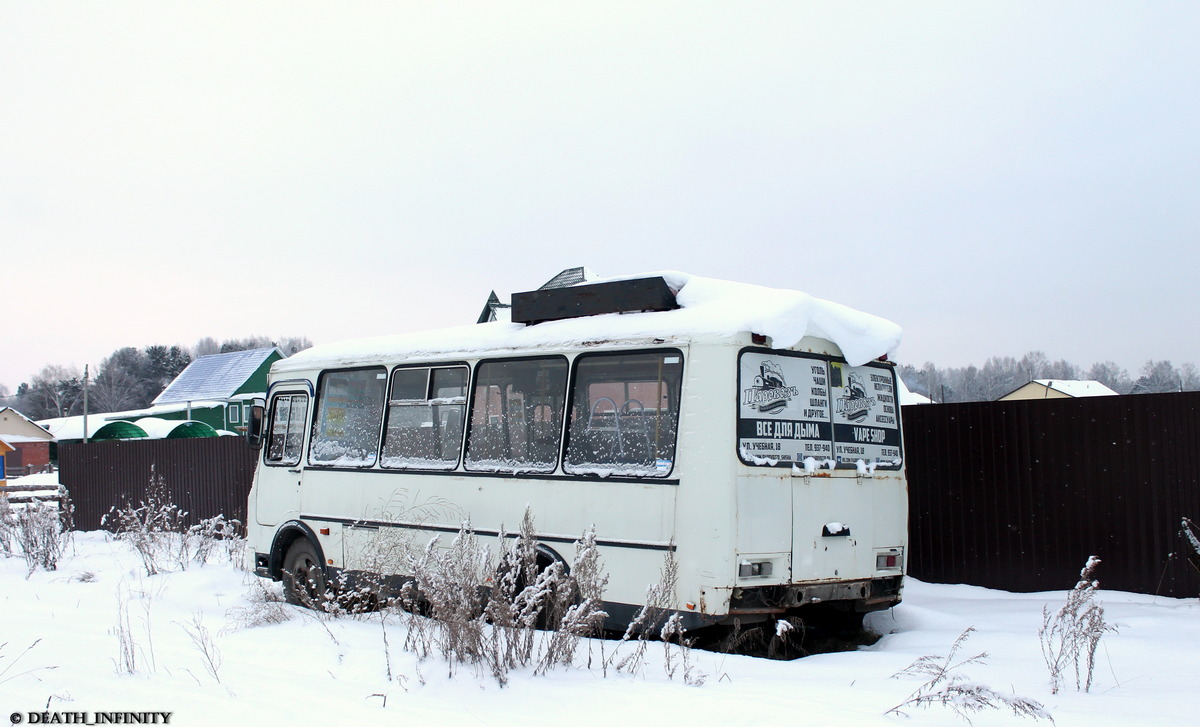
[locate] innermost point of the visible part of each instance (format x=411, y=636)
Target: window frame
x=556, y=460
x=573, y=384
x=429, y=368
x=303, y=428
x=318, y=400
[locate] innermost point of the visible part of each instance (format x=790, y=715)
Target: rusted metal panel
x=203, y=476
x=1017, y=494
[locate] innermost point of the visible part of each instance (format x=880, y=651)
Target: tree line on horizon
x=1000, y=375
x=128, y=378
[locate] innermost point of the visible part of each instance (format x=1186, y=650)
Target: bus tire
x=303, y=576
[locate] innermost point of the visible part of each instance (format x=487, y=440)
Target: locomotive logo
x=770, y=393
x=855, y=405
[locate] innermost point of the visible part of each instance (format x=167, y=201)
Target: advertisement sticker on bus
x=792, y=408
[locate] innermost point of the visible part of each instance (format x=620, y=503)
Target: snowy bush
x=1190, y=533
x=1069, y=637
x=949, y=687
x=152, y=528
x=157, y=531
x=467, y=610
x=8, y=527
x=266, y=606
x=213, y=535
x=37, y=528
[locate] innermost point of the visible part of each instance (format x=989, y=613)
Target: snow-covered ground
x=333, y=671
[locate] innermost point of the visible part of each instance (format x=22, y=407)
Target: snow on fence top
x=708, y=307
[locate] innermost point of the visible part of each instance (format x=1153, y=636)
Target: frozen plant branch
x=949, y=687
x=1069, y=638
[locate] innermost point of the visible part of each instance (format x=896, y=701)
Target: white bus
x=753, y=433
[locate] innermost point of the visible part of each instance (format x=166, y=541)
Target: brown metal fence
x=1011, y=495
x=204, y=476
x=1016, y=495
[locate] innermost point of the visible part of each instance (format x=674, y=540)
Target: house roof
x=569, y=277
x=68, y=428
x=28, y=429
x=1077, y=388
x=908, y=397
x=1074, y=389
x=215, y=377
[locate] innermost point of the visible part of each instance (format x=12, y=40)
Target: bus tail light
x=889, y=559
x=746, y=569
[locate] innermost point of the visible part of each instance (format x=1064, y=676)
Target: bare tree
x=1111, y=375
x=206, y=346
x=55, y=391
x=1189, y=377
x=1157, y=377
x=116, y=389
x=294, y=344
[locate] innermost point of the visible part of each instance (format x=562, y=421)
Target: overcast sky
x=994, y=177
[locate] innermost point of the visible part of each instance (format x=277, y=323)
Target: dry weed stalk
x=948, y=687
x=1069, y=638
x=37, y=528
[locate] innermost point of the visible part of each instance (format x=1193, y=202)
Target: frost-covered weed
x=949, y=687
x=8, y=527
x=38, y=530
x=267, y=606
x=215, y=535
x=520, y=612
x=152, y=528
x=654, y=620
x=204, y=643
x=157, y=530
x=1069, y=638
x=8, y=662
x=135, y=650
x=1189, y=531
x=516, y=609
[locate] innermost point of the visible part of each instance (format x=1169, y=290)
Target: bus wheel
x=303, y=577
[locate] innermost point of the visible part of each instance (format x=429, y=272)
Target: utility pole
x=85, y=402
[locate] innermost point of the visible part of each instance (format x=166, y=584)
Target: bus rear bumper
x=860, y=596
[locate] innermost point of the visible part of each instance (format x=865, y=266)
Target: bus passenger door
x=282, y=473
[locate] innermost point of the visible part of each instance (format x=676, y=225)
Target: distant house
x=5, y=450
x=212, y=395
x=908, y=397
x=29, y=443
x=227, y=379
x=1052, y=389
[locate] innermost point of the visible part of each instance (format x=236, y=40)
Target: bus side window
x=516, y=415
x=425, y=418
x=624, y=414
x=289, y=415
x=348, y=417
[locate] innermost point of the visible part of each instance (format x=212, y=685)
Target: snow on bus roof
x=707, y=307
